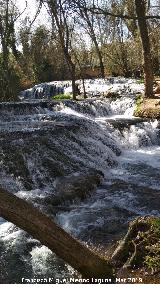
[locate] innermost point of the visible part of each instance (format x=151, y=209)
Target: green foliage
x=10, y=84
x=141, y=246
x=42, y=59
x=62, y=97
x=156, y=225
x=139, y=101
x=140, y=81
x=152, y=259
x=153, y=262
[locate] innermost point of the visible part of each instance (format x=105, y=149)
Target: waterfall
x=43, y=142
x=94, y=87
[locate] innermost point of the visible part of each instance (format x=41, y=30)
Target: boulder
x=76, y=185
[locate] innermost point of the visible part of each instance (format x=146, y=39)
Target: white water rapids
x=40, y=141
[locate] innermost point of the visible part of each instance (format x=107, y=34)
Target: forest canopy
x=83, y=39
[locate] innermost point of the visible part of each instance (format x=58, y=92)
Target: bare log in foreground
x=41, y=227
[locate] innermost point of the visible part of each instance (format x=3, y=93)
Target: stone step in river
x=44, y=145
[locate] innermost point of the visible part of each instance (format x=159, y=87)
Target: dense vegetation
x=111, y=42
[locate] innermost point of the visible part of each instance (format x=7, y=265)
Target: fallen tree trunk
x=41, y=227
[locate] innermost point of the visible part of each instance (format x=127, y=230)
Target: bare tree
x=141, y=7
x=86, y=20
x=148, y=68
x=132, y=26
x=59, y=14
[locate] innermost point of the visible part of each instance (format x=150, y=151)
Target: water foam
x=68, y=137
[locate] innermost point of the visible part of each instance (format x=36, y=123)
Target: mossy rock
x=140, y=246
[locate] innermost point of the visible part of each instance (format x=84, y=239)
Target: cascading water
x=41, y=142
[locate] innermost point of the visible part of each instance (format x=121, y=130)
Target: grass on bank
x=140, y=81
x=139, y=101
x=152, y=258
x=62, y=97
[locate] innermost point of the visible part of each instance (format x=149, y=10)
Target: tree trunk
x=98, y=51
x=148, y=69
x=82, y=76
x=74, y=90
x=64, y=35
x=85, y=16
x=41, y=227
x=84, y=88
x=100, y=58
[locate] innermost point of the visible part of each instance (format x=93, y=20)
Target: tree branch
x=100, y=11
x=41, y=227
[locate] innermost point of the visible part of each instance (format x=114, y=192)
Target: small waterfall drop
x=45, y=141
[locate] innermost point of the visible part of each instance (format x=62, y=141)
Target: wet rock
x=122, y=123
x=76, y=185
x=111, y=94
x=53, y=167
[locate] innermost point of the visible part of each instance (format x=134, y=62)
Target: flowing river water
x=41, y=142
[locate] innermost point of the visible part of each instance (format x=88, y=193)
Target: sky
x=31, y=9
x=43, y=18
x=31, y=6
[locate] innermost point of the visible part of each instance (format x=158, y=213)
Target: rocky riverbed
x=90, y=165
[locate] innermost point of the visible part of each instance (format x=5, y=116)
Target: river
x=42, y=142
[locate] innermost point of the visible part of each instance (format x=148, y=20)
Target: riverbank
x=138, y=276
x=148, y=108
x=138, y=254
x=45, y=143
